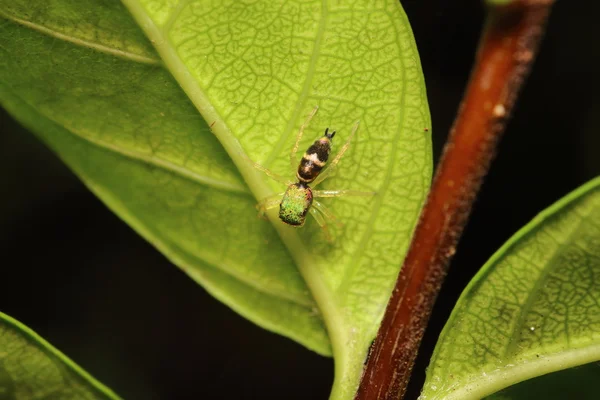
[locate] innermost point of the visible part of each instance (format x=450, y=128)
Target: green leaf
x=579, y=383
x=30, y=368
x=87, y=82
x=534, y=308
x=499, y=3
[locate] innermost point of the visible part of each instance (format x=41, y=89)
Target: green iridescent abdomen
x=295, y=204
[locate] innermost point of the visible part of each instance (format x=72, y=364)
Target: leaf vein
x=351, y=270
x=278, y=148
x=154, y=161
x=82, y=42
x=532, y=295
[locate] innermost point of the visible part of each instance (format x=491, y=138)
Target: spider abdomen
x=295, y=204
x=315, y=158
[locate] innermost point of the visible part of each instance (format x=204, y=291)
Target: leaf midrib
x=152, y=160
x=183, y=172
x=139, y=156
x=172, y=249
x=324, y=296
x=82, y=42
x=178, y=170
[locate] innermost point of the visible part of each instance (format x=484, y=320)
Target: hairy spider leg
x=268, y=172
x=293, y=158
x=322, y=223
x=327, y=213
x=268, y=203
x=338, y=193
x=337, y=158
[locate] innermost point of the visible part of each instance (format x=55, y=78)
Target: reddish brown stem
x=506, y=51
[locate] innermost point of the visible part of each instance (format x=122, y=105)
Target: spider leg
x=293, y=158
x=337, y=158
x=327, y=213
x=268, y=172
x=322, y=223
x=268, y=203
x=338, y=193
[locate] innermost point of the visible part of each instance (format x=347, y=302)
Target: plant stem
x=506, y=52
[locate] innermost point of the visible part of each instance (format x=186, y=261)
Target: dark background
x=83, y=280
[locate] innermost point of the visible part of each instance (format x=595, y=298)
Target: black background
x=83, y=280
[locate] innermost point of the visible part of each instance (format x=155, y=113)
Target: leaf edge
x=47, y=347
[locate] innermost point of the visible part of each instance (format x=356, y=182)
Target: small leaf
x=534, y=308
x=112, y=109
x=30, y=368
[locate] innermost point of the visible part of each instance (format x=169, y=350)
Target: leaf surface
x=111, y=107
x=579, y=383
x=534, y=308
x=30, y=368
